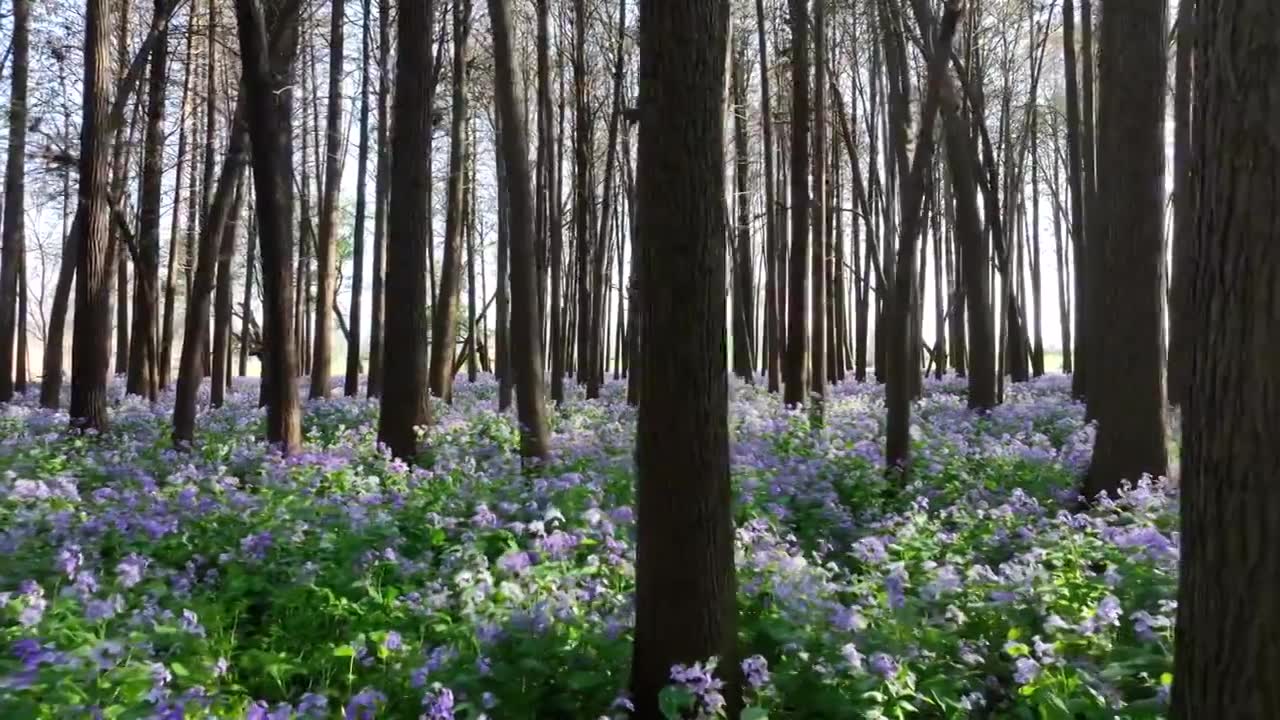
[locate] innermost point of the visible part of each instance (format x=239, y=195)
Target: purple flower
x=884, y=665
x=393, y=642
x=129, y=571
x=851, y=656
x=1025, y=670
x=190, y=623
x=437, y=705
x=69, y=560
x=515, y=562
x=756, y=671
x=313, y=705
x=103, y=609
x=362, y=704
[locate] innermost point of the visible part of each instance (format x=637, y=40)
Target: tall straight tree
x=247, y=328
x=1128, y=257
x=381, y=184
x=90, y=357
x=772, y=318
x=219, y=385
x=351, y=383
x=444, y=318
x=326, y=243
x=526, y=335
x=1075, y=182
x=1227, y=659
x=1184, y=211
x=798, y=266
x=743, y=308
x=170, y=286
x=583, y=197
x=818, y=347
x=405, y=346
x=686, y=593
x=14, y=197
x=268, y=63
x=144, y=358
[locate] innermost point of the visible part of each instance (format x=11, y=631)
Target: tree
x=1183, y=203
x=1226, y=659
x=526, y=335
x=798, y=267
x=444, y=316
x=405, y=344
x=743, y=308
x=267, y=87
x=90, y=356
x=583, y=196
x=818, y=346
x=772, y=317
x=381, y=185
x=1075, y=181
x=351, y=383
x=14, y=197
x=686, y=594
x=1128, y=257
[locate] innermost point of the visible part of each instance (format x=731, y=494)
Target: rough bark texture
x=526, y=338
x=1129, y=258
x=1228, y=630
x=405, y=347
x=795, y=368
x=14, y=197
x=268, y=78
x=90, y=357
x=686, y=595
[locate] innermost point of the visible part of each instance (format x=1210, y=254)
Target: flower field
x=141, y=582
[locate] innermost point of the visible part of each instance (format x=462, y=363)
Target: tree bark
x=1075, y=183
x=818, y=306
x=380, y=192
x=405, y=346
x=90, y=357
x=526, y=338
x=268, y=79
x=247, y=327
x=170, y=290
x=1184, y=208
x=798, y=281
x=1129, y=257
x=14, y=198
x=772, y=319
x=583, y=197
x=326, y=242
x=1226, y=659
x=686, y=597
x=222, y=299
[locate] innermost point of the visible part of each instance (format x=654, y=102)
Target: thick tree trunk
x=1129, y=257
x=143, y=360
x=14, y=197
x=381, y=188
x=90, y=357
x=1226, y=654
x=405, y=347
x=685, y=586
x=268, y=79
x=798, y=271
x=444, y=316
x=526, y=353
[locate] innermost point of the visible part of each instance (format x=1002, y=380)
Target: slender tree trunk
x=472, y=328
x=170, y=289
x=742, y=307
x=531, y=407
x=685, y=601
x=559, y=325
x=1063, y=265
x=143, y=378
x=1226, y=660
x=20, y=371
x=1130, y=256
x=445, y=310
x=773, y=324
x=122, y=155
x=818, y=306
x=582, y=194
x=1184, y=204
x=222, y=299
x=14, y=198
x=405, y=346
x=1037, y=348
x=326, y=243
x=247, y=328
x=381, y=188
x=798, y=280
x=1075, y=182
x=351, y=384
x=506, y=377
x=268, y=79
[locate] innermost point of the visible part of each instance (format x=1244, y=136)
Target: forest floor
x=136, y=581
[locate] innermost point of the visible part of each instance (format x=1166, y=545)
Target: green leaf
x=674, y=700
x=344, y=651
x=755, y=713
x=179, y=669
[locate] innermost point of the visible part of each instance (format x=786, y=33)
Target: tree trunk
x=14, y=198
x=196, y=327
x=247, y=327
x=1037, y=347
x=445, y=310
x=268, y=79
x=1075, y=182
x=170, y=290
x=686, y=593
x=351, y=384
x=90, y=357
x=222, y=300
x=1226, y=660
x=582, y=194
x=772, y=322
x=526, y=338
x=469, y=215
x=818, y=306
x=326, y=243
x=405, y=346
x=122, y=155
x=1063, y=265
x=743, y=307
x=381, y=188
x=1184, y=208
x=506, y=383
x=798, y=273
x=1129, y=257
x=143, y=358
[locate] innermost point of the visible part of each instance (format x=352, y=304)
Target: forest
x=653, y=359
